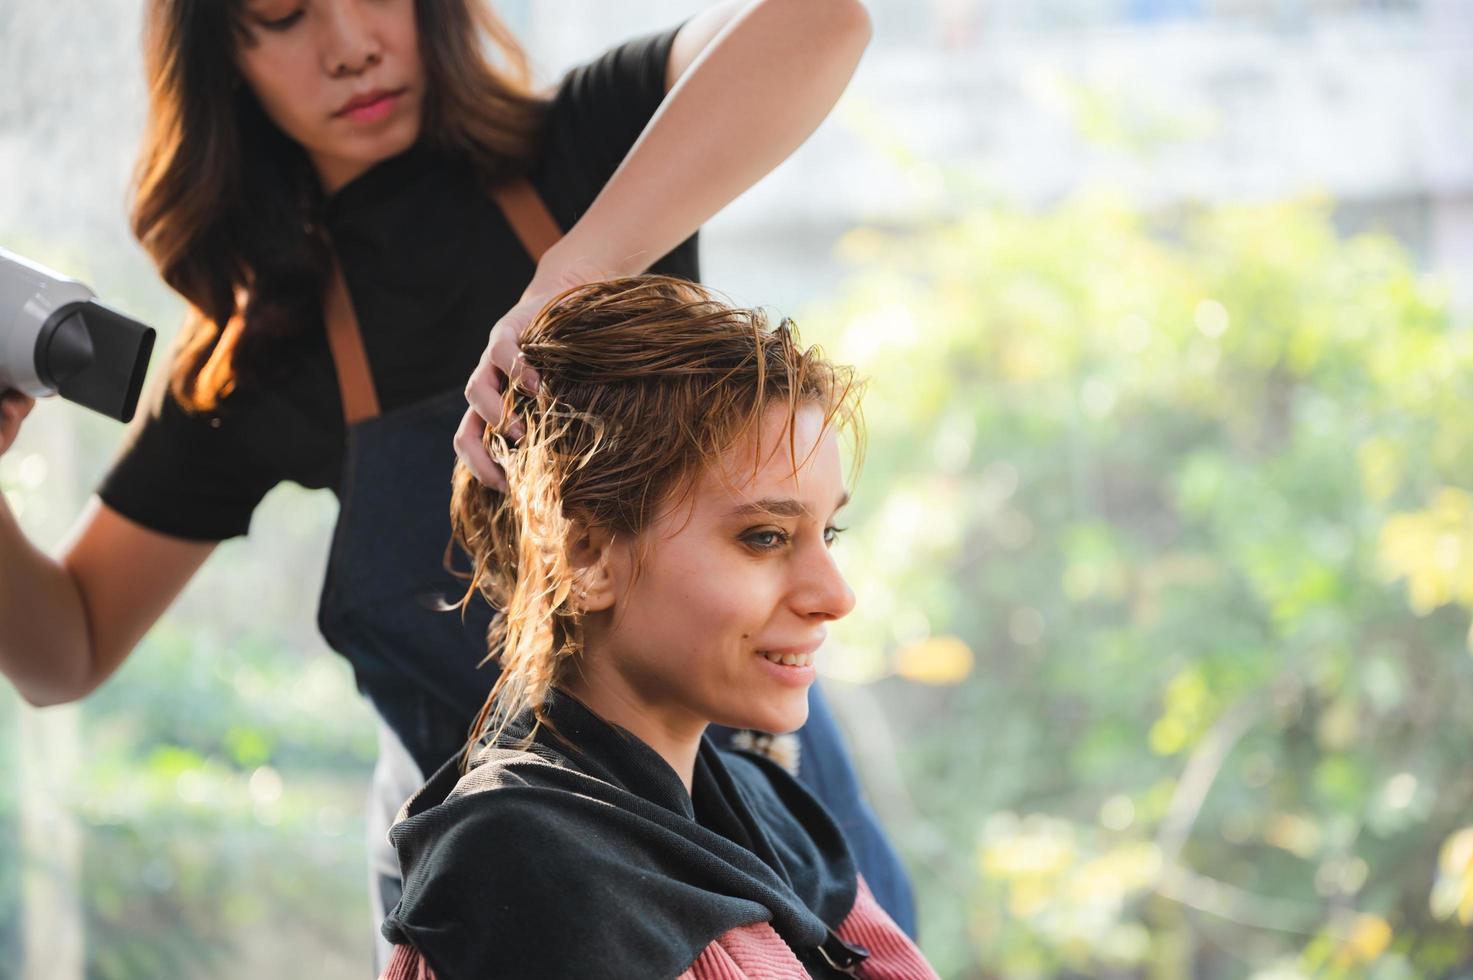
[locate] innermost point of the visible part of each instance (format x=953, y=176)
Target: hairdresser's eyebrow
x=779, y=507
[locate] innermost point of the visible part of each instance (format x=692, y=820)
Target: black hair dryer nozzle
x=56, y=339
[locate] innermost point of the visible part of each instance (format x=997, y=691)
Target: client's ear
x=593, y=556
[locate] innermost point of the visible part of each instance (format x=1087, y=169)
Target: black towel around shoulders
x=580, y=854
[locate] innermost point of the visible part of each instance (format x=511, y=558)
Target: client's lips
x=795, y=656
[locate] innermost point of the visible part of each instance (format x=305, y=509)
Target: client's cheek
x=733, y=613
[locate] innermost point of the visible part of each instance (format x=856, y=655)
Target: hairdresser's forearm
x=751, y=97
x=44, y=646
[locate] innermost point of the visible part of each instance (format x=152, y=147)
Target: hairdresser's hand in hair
x=502, y=361
x=730, y=64
x=14, y=407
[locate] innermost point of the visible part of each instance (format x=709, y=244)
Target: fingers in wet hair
x=470, y=447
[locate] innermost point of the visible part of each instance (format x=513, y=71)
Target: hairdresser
x=353, y=196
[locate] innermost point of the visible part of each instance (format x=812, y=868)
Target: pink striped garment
x=757, y=952
x=407, y=963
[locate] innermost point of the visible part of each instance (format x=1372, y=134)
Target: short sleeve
x=185, y=474
x=600, y=109
x=597, y=113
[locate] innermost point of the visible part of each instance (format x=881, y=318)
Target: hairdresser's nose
x=820, y=591
x=352, y=46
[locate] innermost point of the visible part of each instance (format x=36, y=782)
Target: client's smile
x=789, y=659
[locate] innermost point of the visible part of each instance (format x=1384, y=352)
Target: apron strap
x=530, y=221
x=528, y=216
x=355, y=380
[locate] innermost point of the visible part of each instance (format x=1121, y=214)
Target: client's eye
x=766, y=539
x=831, y=534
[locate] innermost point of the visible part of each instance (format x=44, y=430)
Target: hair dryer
x=56, y=339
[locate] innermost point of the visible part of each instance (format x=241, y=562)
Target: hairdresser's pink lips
x=793, y=675
x=371, y=106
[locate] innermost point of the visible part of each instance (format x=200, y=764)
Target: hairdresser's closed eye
x=279, y=21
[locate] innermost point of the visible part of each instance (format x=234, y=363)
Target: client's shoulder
x=500, y=784
x=518, y=764
x=497, y=863
x=526, y=866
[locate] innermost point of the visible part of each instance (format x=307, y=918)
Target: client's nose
x=821, y=591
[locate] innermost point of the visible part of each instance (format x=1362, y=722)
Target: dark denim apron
x=383, y=604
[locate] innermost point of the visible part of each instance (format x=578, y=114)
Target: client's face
x=735, y=587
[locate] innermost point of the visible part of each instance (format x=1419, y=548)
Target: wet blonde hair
x=645, y=382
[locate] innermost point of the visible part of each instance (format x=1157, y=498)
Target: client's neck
x=671, y=730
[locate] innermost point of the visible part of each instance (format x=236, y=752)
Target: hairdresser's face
x=735, y=587
x=343, y=78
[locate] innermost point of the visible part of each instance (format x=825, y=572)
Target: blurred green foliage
x=1164, y=548
x=1164, y=553
x=220, y=800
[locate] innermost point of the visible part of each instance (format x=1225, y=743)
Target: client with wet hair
x=662, y=561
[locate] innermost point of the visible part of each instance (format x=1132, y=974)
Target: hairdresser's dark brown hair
x=645, y=382
x=228, y=205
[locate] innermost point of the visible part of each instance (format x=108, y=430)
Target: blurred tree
x=1165, y=562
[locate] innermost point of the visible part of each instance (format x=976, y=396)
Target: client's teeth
x=789, y=659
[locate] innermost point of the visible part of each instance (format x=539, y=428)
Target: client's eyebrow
x=778, y=507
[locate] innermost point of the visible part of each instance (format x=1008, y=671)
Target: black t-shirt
x=431, y=265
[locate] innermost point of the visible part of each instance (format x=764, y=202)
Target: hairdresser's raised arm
x=747, y=83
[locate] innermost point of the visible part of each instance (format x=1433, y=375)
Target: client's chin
x=776, y=716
